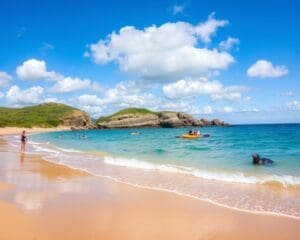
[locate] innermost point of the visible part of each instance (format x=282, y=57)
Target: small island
x=144, y=118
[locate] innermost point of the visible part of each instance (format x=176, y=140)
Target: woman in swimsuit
x=23, y=141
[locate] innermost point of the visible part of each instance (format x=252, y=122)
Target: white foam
x=238, y=177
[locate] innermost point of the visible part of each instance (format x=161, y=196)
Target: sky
x=235, y=60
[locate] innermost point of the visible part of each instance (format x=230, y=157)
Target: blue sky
x=237, y=60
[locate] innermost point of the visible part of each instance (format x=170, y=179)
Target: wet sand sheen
x=49, y=201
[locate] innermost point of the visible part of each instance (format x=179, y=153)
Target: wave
x=238, y=177
x=285, y=181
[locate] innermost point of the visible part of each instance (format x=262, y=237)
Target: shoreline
x=183, y=210
x=265, y=213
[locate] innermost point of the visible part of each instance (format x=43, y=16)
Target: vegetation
x=43, y=115
x=140, y=111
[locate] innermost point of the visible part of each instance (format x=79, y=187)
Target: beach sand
x=18, y=130
x=43, y=200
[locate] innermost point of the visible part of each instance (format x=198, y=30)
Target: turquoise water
x=218, y=168
x=228, y=149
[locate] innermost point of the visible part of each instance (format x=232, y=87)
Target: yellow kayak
x=188, y=136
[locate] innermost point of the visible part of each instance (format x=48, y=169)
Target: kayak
x=187, y=136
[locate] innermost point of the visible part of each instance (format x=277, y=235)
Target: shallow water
x=218, y=168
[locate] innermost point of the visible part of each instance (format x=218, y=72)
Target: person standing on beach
x=23, y=141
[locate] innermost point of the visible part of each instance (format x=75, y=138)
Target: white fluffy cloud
x=1, y=95
x=4, y=79
x=68, y=84
x=228, y=44
x=90, y=100
x=168, y=51
x=190, y=88
x=265, y=69
x=124, y=94
x=34, y=69
x=202, y=86
x=207, y=29
x=32, y=95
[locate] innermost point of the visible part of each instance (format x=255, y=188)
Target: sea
x=217, y=168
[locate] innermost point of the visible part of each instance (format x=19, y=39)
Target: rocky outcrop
x=154, y=120
x=131, y=121
x=78, y=120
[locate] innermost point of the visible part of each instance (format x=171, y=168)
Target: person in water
x=23, y=141
x=257, y=160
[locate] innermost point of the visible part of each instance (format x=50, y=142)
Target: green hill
x=43, y=115
x=140, y=111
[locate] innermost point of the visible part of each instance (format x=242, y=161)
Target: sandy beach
x=43, y=200
x=17, y=130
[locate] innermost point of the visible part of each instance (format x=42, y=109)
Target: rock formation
x=155, y=120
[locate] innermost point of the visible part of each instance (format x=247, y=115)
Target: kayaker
x=191, y=132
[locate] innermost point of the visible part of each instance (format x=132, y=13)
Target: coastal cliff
x=143, y=118
x=45, y=115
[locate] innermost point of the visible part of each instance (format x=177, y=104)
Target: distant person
x=197, y=132
x=23, y=141
x=191, y=132
x=83, y=136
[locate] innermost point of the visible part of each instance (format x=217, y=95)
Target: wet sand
x=42, y=200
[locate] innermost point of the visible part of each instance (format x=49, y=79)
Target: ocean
x=217, y=168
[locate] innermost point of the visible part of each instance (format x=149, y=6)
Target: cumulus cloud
x=68, y=84
x=228, y=44
x=32, y=95
x=202, y=86
x=90, y=100
x=191, y=87
x=123, y=94
x=294, y=105
x=158, y=52
x=207, y=29
x=265, y=69
x=4, y=79
x=34, y=69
